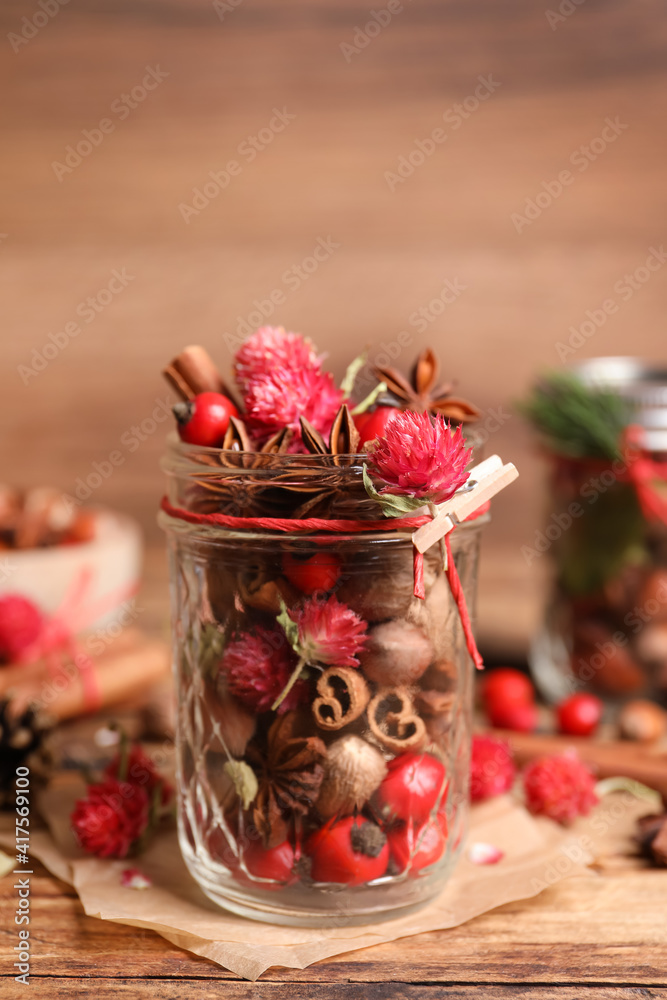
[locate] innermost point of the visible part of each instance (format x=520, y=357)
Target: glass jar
x=346, y=803
x=606, y=622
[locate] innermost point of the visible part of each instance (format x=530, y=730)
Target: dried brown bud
x=643, y=721
x=352, y=771
x=396, y=653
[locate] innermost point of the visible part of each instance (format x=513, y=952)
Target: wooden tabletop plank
x=587, y=930
x=54, y=989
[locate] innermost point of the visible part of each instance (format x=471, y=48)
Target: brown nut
x=643, y=721
x=353, y=769
x=653, y=597
x=396, y=653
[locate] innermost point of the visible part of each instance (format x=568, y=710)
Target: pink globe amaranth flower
x=421, y=457
x=560, y=787
x=110, y=820
x=278, y=398
x=330, y=633
x=492, y=769
x=273, y=347
x=141, y=771
x=258, y=666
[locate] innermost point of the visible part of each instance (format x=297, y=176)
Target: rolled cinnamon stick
x=121, y=673
x=194, y=371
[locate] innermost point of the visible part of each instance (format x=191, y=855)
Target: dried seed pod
x=343, y=696
x=236, y=725
x=643, y=721
x=396, y=653
x=393, y=720
x=352, y=771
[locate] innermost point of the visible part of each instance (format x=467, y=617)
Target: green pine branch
x=575, y=419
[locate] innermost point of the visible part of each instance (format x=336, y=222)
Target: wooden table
x=593, y=936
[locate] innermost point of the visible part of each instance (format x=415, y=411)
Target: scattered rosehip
x=204, y=420
x=312, y=573
x=561, y=788
x=270, y=863
x=505, y=686
x=417, y=848
x=412, y=787
x=492, y=770
x=519, y=717
x=348, y=851
x=374, y=424
x=21, y=623
x=579, y=715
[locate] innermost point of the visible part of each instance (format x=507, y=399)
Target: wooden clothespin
x=489, y=478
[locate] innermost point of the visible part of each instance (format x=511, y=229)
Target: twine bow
x=57, y=638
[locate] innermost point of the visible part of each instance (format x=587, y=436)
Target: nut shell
x=352, y=771
x=643, y=721
x=396, y=654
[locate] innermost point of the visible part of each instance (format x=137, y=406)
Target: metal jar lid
x=642, y=383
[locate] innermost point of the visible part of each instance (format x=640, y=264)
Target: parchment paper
x=537, y=854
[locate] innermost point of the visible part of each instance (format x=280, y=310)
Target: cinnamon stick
x=194, y=371
x=124, y=671
x=606, y=759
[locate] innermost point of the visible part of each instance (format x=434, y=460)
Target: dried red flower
x=110, y=820
x=273, y=347
x=21, y=623
x=258, y=666
x=329, y=633
x=279, y=397
x=560, y=787
x=420, y=456
x=492, y=769
x=141, y=772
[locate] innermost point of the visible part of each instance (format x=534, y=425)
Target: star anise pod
x=289, y=774
x=423, y=394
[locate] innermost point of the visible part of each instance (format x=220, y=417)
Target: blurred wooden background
x=225, y=66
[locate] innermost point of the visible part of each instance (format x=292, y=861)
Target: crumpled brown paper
x=537, y=854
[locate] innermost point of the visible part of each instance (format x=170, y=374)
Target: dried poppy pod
x=396, y=654
x=352, y=772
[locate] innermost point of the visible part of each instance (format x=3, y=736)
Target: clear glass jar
x=348, y=803
x=605, y=628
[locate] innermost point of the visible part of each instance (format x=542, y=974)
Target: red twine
x=341, y=526
x=643, y=472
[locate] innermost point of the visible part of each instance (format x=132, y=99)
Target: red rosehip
x=373, y=425
x=492, y=770
x=350, y=851
x=505, y=686
x=21, y=623
x=418, y=848
x=270, y=863
x=412, y=787
x=579, y=715
x=204, y=420
x=519, y=717
x=311, y=573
